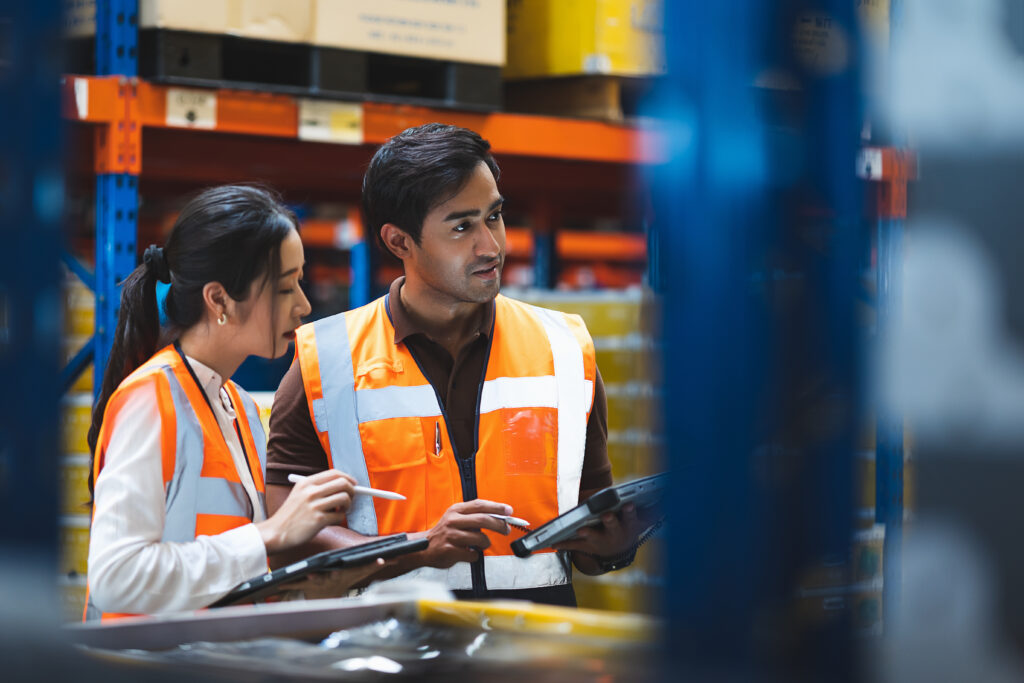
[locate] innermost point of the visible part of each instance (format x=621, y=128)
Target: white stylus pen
x=358, y=490
x=514, y=521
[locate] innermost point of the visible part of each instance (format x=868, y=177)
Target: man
x=468, y=403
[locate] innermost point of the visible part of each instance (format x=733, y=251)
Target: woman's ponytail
x=136, y=336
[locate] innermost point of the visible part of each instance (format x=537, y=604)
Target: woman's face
x=278, y=307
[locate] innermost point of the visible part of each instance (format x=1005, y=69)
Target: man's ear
x=216, y=300
x=396, y=240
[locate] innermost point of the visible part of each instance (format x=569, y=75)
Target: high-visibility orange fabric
x=517, y=457
x=217, y=459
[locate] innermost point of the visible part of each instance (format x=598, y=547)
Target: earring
x=223, y=319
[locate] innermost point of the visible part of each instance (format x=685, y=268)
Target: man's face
x=462, y=246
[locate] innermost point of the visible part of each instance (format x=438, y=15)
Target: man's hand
x=334, y=584
x=616, y=534
x=457, y=536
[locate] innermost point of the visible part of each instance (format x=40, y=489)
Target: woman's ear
x=217, y=301
x=396, y=240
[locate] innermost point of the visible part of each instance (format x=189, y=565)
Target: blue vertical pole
x=889, y=430
x=761, y=392
x=711, y=205
x=117, y=198
x=31, y=211
x=117, y=194
x=889, y=456
x=361, y=266
x=117, y=37
x=544, y=259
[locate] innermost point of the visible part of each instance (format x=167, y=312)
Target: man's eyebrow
x=456, y=215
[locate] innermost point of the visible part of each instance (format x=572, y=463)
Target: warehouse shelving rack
x=122, y=110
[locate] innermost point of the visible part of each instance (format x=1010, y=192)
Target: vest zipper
x=467, y=466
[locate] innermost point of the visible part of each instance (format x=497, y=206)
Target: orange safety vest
x=379, y=420
x=204, y=494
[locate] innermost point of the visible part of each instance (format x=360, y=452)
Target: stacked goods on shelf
x=866, y=482
x=582, y=57
x=76, y=416
x=624, y=326
x=435, y=51
x=850, y=584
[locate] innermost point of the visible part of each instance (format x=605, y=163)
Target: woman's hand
x=334, y=584
x=315, y=502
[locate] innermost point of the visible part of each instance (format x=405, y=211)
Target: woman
x=179, y=516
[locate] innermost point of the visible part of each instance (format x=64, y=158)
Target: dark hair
x=418, y=169
x=231, y=235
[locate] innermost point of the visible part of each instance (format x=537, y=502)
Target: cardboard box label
x=452, y=30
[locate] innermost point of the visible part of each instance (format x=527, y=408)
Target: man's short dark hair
x=417, y=170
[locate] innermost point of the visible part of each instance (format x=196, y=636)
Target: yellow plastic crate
x=523, y=617
x=74, y=545
x=622, y=455
x=575, y=37
x=74, y=484
x=79, y=308
x=72, y=597
x=626, y=590
x=627, y=360
x=633, y=406
x=76, y=417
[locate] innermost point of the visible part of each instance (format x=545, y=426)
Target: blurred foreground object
x=955, y=365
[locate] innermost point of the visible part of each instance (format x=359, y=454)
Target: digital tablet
x=644, y=493
x=329, y=560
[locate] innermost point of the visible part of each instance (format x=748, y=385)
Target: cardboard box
x=578, y=37
x=284, y=20
x=450, y=30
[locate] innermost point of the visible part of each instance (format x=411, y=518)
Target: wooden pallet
x=216, y=60
x=609, y=98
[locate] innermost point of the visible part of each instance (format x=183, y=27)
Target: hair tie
x=156, y=263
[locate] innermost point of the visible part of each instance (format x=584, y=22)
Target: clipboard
x=646, y=492
x=329, y=560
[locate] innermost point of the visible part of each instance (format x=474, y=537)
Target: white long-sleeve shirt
x=130, y=568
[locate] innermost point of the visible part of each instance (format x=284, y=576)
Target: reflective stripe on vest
x=336, y=414
x=506, y=572
x=329, y=370
x=574, y=399
x=195, y=503
x=255, y=437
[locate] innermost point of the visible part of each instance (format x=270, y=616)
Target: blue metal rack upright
x=31, y=212
x=117, y=192
x=889, y=455
x=761, y=396
x=118, y=160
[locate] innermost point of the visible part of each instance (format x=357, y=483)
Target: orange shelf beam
x=583, y=246
x=93, y=99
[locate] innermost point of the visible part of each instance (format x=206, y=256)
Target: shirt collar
x=404, y=326
x=212, y=384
